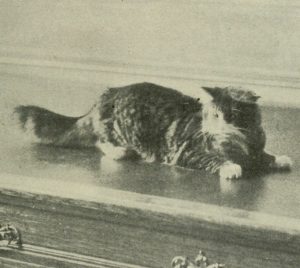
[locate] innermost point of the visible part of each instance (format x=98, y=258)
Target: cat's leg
x=276, y=162
x=230, y=170
x=216, y=162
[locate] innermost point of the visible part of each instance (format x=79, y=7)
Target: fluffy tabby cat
x=161, y=124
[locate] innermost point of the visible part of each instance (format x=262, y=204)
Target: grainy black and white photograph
x=149, y=134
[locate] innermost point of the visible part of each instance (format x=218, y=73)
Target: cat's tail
x=52, y=128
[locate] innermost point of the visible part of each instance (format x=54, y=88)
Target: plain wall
x=183, y=44
x=260, y=36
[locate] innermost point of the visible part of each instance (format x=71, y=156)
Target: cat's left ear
x=254, y=98
x=213, y=91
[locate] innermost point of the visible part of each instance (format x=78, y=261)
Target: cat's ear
x=236, y=94
x=248, y=96
x=254, y=98
x=213, y=91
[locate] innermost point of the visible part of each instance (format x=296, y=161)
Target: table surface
x=274, y=193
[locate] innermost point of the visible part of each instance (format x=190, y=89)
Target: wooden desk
x=112, y=228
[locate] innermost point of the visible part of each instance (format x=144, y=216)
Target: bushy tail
x=55, y=129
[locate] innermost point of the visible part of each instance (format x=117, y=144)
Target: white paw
x=230, y=170
x=117, y=153
x=111, y=151
x=283, y=162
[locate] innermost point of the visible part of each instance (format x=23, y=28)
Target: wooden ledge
x=34, y=256
x=156, y=213
x=186, y=79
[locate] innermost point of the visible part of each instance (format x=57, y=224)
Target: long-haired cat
x=160, y=124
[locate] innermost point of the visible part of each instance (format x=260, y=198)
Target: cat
x=156, y=123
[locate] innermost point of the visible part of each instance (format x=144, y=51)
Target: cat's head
x=232, y=105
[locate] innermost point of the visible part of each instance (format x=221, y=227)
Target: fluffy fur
x=160, y=124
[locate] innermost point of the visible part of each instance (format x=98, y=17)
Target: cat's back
x=152, y=98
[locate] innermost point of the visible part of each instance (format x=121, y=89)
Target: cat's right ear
x=213, y=91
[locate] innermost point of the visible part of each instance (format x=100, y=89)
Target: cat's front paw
x=230, y=170
x=111, y=151
x=118, y=153
x=283, y=162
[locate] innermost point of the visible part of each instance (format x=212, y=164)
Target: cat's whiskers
x=234, y=109
x=230, y=134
